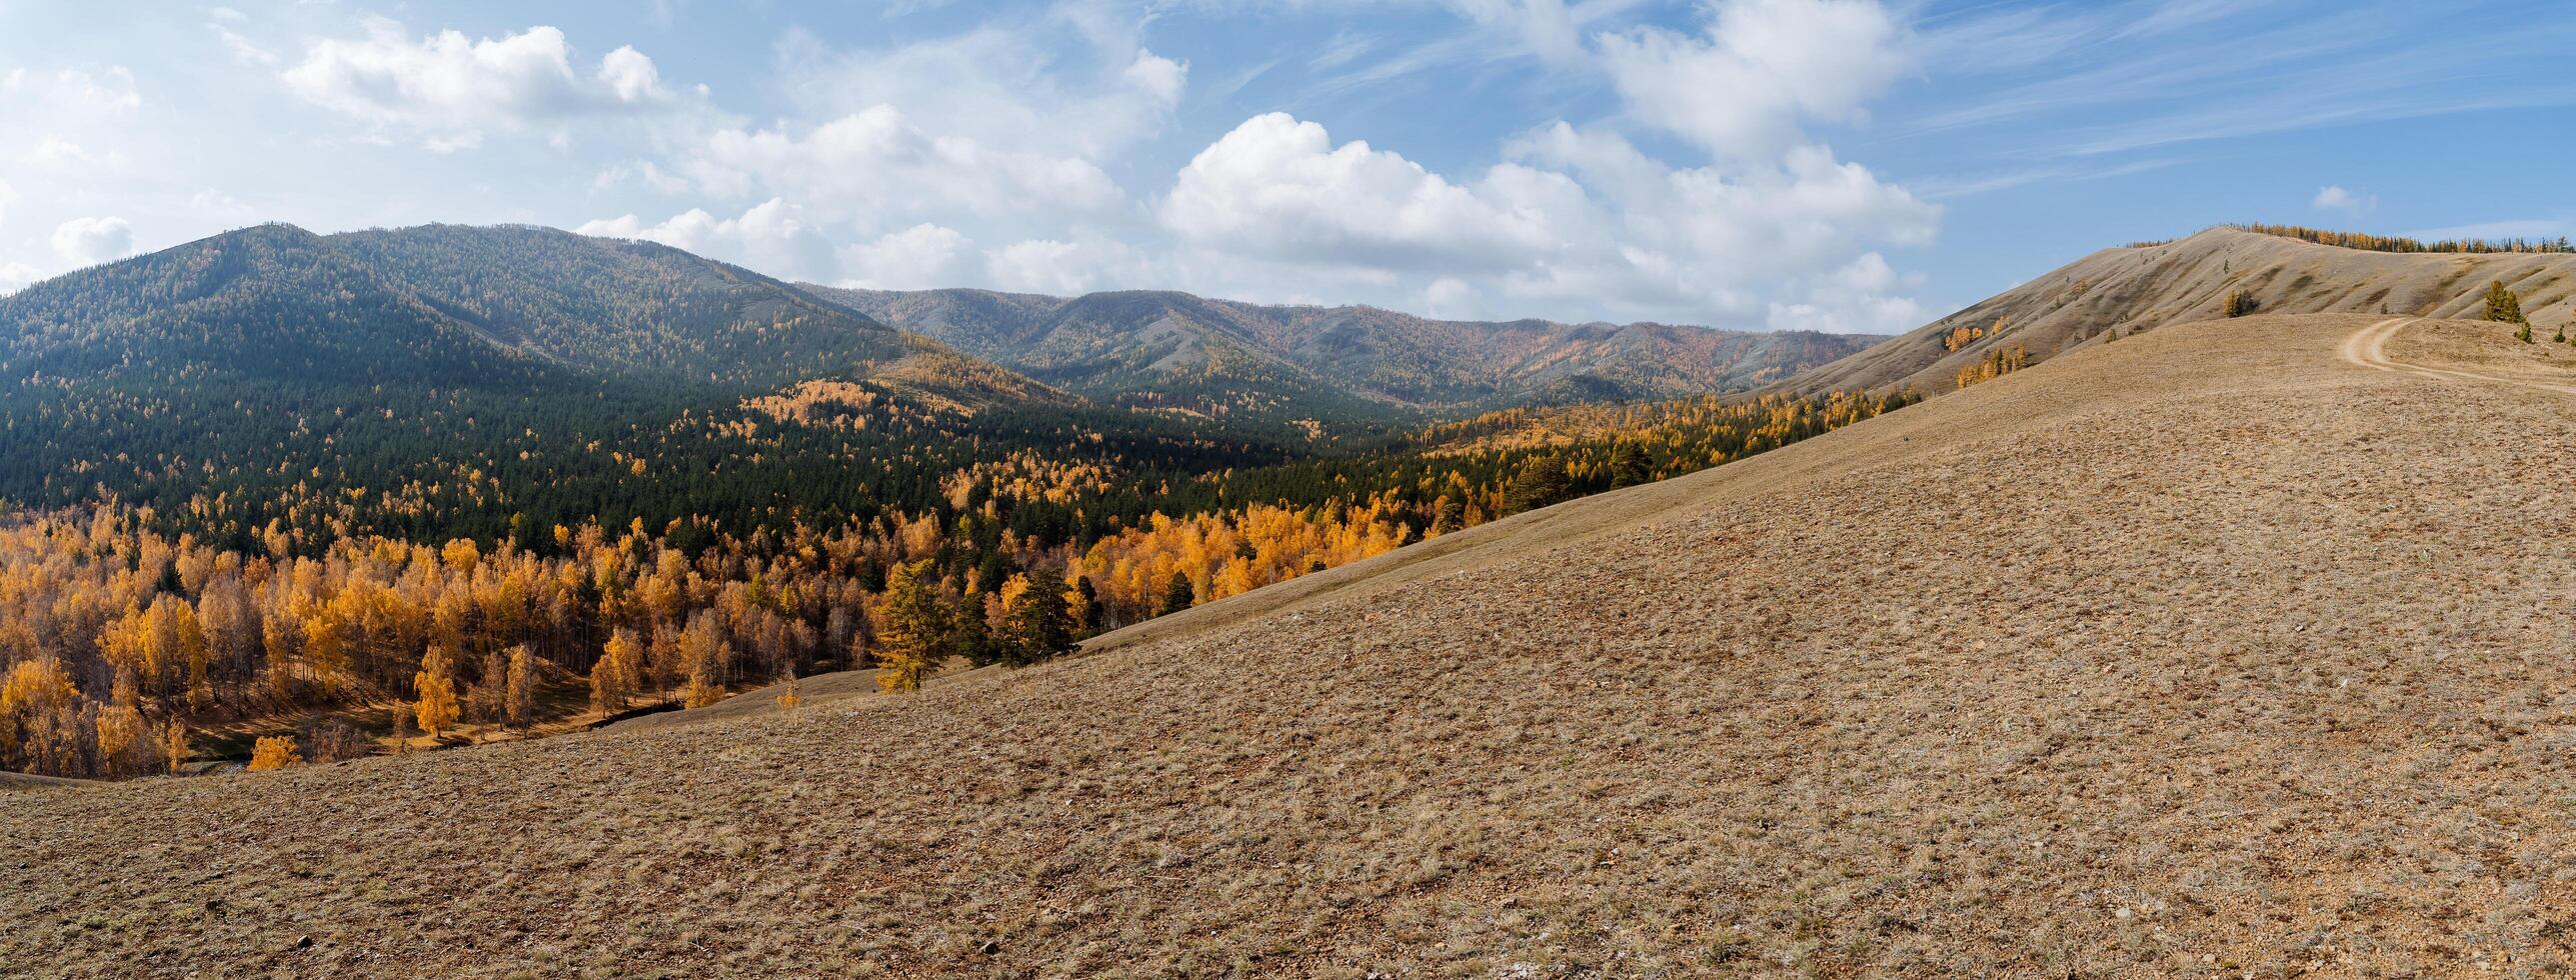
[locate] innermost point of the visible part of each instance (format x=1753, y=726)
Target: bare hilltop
x=2234, y=647
x=2117, y=292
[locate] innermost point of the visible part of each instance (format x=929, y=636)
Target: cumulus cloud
x=876, y=162
x=771, y=236
x=90, y=241
x=1857, y=298
x=2335, y=198
x=15, y=276
x=1572, y=217
x=1740, y=89
x=1060, y=267
x=453, y=87
x=924, y=256
x=1277, y=188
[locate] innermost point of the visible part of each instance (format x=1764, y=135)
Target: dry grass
x=2206, y=653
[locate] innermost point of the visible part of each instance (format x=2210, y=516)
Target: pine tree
x=913, y=635
x=1541, y=482
x=1178, y=595
x=2240, y=303
x=1039, y=621
x=2505, y=307
x=1629, y=466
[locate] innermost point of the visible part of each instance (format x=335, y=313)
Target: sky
x=1847, y=165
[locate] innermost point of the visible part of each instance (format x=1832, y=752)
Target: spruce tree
x=1178, y=595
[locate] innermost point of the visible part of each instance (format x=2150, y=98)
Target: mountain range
x=1157, y=348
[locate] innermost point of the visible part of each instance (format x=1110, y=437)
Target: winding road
x=2368, y=347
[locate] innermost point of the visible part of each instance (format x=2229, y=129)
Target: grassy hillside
x=2174, y=656
x=2117, y=292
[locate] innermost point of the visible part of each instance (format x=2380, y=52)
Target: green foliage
x=2240, y=303
x=1540, y=483
x=2503, y=306
x=1179, y=594
x=1039, y=623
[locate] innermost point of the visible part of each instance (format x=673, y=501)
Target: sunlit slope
x=2230, y=646
x=2120, y=291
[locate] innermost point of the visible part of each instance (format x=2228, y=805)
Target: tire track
x=2368, y=347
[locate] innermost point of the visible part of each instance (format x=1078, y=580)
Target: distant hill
x=447, y=380
x=2119, y=291
x=446, y=304
x=1176, y=349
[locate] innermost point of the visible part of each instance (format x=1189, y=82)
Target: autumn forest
x=283, y=499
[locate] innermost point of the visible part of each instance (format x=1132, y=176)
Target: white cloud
x=8, y=196
x=74, y=92
x=1853, y=299
x=924, y=256
x=15, y=276
x=452, y=87
x=876, y=163
x=90, y=241
x=1573, y=219
x=1276, y=188
x=1741, y=90
x=2335, y=198
x=1059, y=267
x=771, y=237
x=631, y=75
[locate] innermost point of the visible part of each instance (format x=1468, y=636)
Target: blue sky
x=1836, y=164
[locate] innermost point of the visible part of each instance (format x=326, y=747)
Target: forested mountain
x=1168, y=348
x=511, y=478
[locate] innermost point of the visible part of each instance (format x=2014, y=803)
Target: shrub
x=274, y=752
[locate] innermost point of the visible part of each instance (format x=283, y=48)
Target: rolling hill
x=2232, y=648
x=1338, y=363
x=2119, y=291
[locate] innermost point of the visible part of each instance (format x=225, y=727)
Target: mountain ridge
x=1142, y=340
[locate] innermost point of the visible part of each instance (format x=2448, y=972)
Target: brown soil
x=2209, y=652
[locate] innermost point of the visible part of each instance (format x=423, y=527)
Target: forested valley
x=292, y=499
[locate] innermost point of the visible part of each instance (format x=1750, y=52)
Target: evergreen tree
x=1040, y=622
x=1086, y=620
x=1629, y=466
x=1540, y=483
x=2505, y=307
x=2240, y=303
x=1179, y=595
x=969, y=636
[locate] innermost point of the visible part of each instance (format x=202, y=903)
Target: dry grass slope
x=2204, y=654
x=2123, y=290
